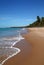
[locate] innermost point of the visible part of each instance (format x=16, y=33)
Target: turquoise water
x=7, y=32
x=8, y=38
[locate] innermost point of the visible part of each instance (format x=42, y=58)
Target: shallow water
x=8, y=38
x=7, y=52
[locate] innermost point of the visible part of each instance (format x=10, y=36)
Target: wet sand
x=32, y=49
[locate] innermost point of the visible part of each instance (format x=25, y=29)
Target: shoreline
x=20, y=57
x=10, y=56
x=18, y=50
x=32, y=49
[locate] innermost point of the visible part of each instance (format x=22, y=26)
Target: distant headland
x=38, y=23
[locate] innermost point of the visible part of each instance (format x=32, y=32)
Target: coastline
x=20, y=58
x=32, y=49
x=11, y=47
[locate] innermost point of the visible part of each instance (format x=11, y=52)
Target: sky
x=20, y=12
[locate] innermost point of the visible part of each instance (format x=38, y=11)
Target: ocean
x=8, y=38
x=7, y=32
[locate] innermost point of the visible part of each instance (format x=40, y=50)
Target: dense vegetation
x=38, y=23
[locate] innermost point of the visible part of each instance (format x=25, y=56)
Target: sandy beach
x=32, y=49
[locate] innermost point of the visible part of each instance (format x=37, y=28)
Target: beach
x=32, y=49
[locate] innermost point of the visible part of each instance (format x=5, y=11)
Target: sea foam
x=10, y=51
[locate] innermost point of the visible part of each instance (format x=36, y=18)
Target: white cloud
x=16, y=20
x=4, y=18
x=22, y=20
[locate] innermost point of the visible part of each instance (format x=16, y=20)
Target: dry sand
x=32, y=49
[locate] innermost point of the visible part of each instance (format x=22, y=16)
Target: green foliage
x=38, y=23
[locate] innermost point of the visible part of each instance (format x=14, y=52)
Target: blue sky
x=20, y=12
